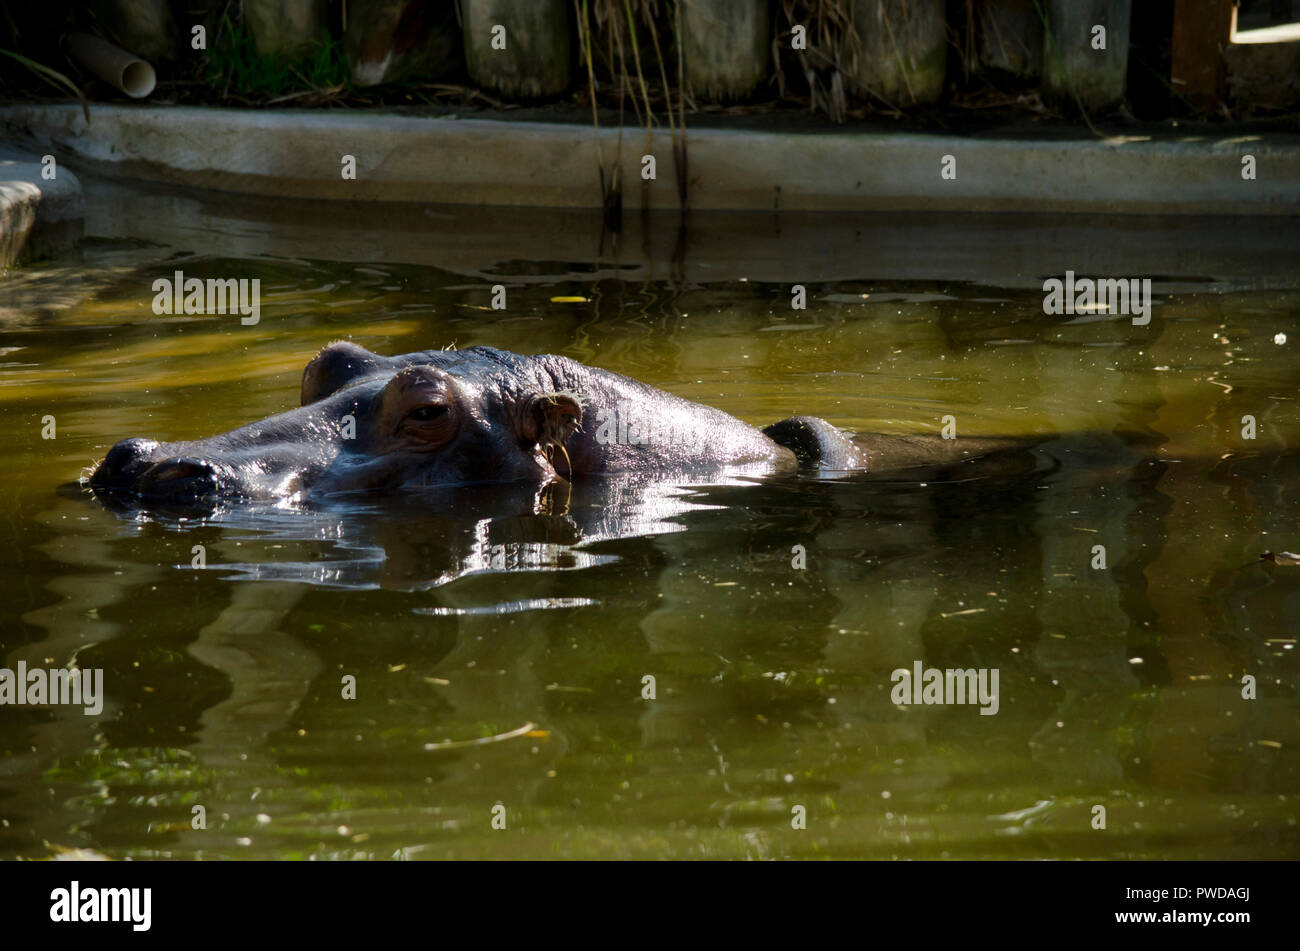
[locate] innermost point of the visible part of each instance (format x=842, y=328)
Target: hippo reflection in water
x=481, y=415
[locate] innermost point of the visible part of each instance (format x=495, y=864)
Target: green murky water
x=479, y=618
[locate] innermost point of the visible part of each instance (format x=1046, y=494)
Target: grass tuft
x=234, y=65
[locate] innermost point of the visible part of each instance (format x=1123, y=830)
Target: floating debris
x=524, y=730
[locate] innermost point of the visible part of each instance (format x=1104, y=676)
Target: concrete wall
x=539, y=164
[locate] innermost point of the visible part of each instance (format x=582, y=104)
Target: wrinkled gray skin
x=444, y=417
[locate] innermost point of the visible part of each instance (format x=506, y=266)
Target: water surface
x=532, y=622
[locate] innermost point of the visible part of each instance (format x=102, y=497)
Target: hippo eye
x=427, y=414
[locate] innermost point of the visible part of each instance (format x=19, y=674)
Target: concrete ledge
x=490, y=162
x=38, y=217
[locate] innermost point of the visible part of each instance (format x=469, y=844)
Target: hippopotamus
x=480, y=415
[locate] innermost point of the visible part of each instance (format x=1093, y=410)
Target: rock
x=38, y=216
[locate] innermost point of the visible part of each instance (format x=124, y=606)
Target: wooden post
x=388, y=40
x=1074, y=64
x=904, y=54
x=285, y=28
x=1201, y=29
x=518, y=48
x=1011, y=37
x=726, y=46
x=143, y=27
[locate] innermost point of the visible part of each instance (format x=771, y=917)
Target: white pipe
x=112, y=64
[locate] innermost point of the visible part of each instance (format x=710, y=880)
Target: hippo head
x=438, y=417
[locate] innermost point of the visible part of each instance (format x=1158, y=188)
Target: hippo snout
x=124, y=462
x=134, y=465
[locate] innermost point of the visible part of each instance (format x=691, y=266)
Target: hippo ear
x=549, y=419
x=334, y=368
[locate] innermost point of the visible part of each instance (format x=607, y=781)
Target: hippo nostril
x=170, y=470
